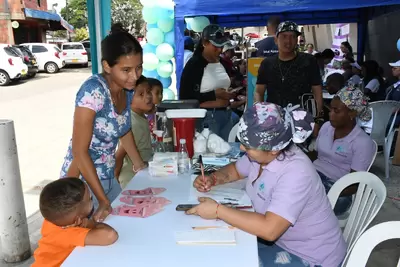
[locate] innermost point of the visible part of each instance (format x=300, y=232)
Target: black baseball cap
x=288, y=26
x=215, y=35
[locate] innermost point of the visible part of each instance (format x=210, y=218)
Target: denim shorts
x=343, y=203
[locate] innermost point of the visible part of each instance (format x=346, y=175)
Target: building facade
x=23, y=21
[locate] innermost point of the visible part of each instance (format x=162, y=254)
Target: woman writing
x=204, y=78
x=102, y=117
x=291, y=207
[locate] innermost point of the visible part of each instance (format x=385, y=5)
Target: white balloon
x=167, y=4
x=148, y=3
x=150, y=61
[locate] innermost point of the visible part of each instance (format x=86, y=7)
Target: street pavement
x=42, y=111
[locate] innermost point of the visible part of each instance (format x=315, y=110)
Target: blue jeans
x=343, y=203
x=273, y=255
x=219, y=122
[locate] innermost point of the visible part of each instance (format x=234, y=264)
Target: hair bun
x=117, y=28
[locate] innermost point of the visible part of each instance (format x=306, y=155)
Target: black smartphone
x=184, y=207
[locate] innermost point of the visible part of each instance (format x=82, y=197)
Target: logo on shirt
x=340, y=149
x=261, y=187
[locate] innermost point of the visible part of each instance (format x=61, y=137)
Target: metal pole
x=14, y=235
x=67, y=19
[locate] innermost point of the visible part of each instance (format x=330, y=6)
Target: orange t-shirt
x=57, y=243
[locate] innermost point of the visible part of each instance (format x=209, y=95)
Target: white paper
x=232, y=192
x=206, y=237
x=345, y=29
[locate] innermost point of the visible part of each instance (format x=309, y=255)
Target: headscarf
x=269, y=127
x=355, y=100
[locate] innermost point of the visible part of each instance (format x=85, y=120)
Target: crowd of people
x=292, y=217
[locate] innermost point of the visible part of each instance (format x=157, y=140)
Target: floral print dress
x=108, y=127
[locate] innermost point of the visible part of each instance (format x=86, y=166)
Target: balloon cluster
x=160, y=46
x=197, y=24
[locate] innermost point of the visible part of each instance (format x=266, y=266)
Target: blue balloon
x=166, y=82
x=161, y=12
x=151, y=74
x=169, y=38
x=398, y=44
x=148, y=48
x=188, y=26
x=168, y=94
x=151, y=26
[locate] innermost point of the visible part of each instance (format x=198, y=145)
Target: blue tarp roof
x=244, y=7
x=39, y=14
x=244, y=13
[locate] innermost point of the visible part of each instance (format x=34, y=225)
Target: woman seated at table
x=204, y=78
x=291, y=207
x=342, y=146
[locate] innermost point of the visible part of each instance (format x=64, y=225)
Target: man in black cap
x=288, y=75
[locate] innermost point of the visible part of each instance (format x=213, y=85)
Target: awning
x=56, y=22
x=39, y=14
x=66, y=25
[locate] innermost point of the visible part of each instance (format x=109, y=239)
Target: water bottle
x=167, y=137
x=160, y=145
x=183, y=158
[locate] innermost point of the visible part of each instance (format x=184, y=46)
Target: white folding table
x=150, y=242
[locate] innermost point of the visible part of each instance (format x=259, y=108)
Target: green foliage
x=76, y=15
x=129, y=13
x=81, y=34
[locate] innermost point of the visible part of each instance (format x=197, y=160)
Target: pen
x=213, y=227
x=202, y=169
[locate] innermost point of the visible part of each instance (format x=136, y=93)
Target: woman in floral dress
x=102, y=118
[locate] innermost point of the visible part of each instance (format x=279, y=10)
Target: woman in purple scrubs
x=291, y=208
x=342, y=146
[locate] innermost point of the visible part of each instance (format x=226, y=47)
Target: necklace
x=287, y=71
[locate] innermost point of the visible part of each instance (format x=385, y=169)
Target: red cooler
x=184, y=126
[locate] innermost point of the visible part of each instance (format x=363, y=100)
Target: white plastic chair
x=345, y=216
x=369, y=199
x=362, y=249
x=233, y=133
x=388, y=145
x=308, y=103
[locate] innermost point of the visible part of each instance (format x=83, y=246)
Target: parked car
x=74, y=53
x=86, y=44
x=28, y=58
x=11, y=65
x=49, y=56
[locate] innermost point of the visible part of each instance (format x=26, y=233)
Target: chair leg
x=386, y=151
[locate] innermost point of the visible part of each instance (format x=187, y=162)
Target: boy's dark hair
x=336, y=79
x=328, y=53
x=274, y=21
x=61, y=197
x=119, y=43
x=154, y=82
x=142, y=79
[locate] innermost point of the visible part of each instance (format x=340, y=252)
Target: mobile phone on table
x=185, y=207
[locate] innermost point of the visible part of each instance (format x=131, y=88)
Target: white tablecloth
x=150, y=242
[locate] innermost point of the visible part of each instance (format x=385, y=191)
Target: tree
x=81, y=34
x=129, y=13
x=76, y=15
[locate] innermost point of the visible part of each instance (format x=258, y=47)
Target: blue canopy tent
x=242, y=13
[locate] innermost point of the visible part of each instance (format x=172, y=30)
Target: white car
x=74, y=53
x=11, y=65
x=49, y=56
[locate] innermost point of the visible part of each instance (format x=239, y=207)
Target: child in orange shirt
x=65, y=205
